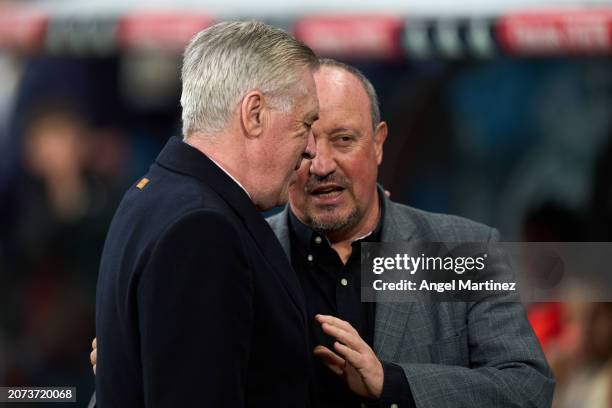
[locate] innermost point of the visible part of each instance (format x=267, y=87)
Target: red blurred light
x=166, y=31
x=580, y=31
x=361, y=36
x=22, y=28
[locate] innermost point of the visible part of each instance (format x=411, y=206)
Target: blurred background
x=500, y=111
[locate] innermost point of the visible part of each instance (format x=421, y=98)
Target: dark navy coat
x=197, y=304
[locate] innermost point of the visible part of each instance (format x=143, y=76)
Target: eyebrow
x=343, y=130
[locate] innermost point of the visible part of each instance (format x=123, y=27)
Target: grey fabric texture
x=454, y=354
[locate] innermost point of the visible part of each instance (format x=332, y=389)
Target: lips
x=329, y=190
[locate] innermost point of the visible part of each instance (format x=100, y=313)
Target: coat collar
x=185, y=159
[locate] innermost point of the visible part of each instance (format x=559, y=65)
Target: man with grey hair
x=441, y=354
x=197, y=305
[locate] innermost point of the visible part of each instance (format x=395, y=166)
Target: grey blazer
x=454, y=354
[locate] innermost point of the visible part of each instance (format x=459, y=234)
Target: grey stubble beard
x=335, y=225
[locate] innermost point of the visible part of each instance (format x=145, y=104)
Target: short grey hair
x=224, y=62
x=367, y=86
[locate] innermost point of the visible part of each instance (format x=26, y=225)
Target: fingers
x=334, y=321
x=334, y=362
x=359, y=358
x=353, y=357
x=329, y=356
x=349, y=338
x=349, y=344
x=93, y=356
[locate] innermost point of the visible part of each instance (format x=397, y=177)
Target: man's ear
x=252, y=114
x=380, y=135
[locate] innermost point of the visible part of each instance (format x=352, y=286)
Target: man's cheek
x=292, y=179
x=296, y=184
x=301, y=174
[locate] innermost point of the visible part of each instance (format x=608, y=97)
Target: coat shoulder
x=440, y=227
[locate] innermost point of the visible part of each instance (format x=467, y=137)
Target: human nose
x=311, y=150
x=323, y=164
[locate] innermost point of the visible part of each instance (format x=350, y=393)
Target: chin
x=328, y=219
x=333, y=218
x=329, y=212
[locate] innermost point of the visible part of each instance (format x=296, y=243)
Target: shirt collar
x=232, y=177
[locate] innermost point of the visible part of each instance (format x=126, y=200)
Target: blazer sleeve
x=195, y=315
x=507, y=366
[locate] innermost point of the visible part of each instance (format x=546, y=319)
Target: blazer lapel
x=280, y=226
x=391, y=318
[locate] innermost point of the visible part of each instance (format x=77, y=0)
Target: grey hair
x=367, y=86
x=222, y=63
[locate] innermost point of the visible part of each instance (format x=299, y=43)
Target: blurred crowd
x=54, y=219
x=576, y=336
x=76, y=132
x=64, y=172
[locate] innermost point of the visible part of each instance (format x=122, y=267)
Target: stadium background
x=498, y=111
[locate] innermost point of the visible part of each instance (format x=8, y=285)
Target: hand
x=93, y=356
x=355, y=361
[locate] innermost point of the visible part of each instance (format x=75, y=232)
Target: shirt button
x=343, y=281
x=309, y=257
x=318, y=240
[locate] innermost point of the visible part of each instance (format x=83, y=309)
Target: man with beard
x=481, y=354
x=397, y=354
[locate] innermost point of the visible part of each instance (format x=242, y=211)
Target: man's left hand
x=354, y=360
x=93, y=356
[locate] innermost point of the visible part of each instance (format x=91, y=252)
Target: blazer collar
x=396, y=225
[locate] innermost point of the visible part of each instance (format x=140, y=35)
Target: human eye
x=343, y=140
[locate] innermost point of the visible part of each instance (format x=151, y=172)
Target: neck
x=225, y=153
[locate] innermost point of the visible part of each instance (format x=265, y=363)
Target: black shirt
x=334, y=288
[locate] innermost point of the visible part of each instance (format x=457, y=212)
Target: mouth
x=327, y=191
